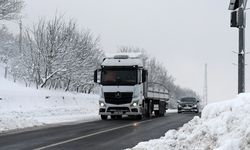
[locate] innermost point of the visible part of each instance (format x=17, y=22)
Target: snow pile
x=222, y=126
x=22, y=107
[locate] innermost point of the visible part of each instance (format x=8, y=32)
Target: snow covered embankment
x=22, y=107
x=222, y=126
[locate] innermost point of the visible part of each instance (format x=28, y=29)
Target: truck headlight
x=135, y=104
x=195, y=106
x=102, y=104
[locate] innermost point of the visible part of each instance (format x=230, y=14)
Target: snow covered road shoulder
x=22, y=107
x=222, y=126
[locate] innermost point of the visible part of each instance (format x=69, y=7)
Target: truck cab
x=123, y=86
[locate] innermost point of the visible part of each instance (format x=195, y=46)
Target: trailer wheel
x=104, y=117
x=163, y=109
x=148, y=108
x=157, y=113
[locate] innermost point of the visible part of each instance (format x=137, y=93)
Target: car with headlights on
x=188, y=104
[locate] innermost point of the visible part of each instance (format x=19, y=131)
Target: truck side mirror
x=95, y=76
x=144, y=75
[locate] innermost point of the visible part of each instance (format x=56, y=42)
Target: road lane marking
x=89, y=135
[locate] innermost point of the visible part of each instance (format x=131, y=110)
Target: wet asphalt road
x=97, y=135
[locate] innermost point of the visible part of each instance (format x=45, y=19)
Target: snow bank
x=222, y=126
x=22, y=107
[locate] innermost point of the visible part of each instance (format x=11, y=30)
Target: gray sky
x=181, y=34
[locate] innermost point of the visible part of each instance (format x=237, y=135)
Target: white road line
x=85, y=136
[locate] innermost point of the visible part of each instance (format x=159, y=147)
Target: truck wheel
x=157, y=113
x=104, y=117
x=162, y=114
x=145, y=109
x=149, y=109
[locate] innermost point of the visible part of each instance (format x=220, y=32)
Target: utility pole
x=241, y=57
x=205, y=94
x=20, y=35
x=238, y=20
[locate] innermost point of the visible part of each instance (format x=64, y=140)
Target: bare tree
x=63, y=56
x=10, y=9
x=55, y=54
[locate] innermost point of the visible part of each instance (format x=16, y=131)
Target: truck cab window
x=119, y=77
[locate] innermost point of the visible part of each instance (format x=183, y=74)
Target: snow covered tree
x=8, y=48
x=63, y=56
x=55, y=54
x=10, y=9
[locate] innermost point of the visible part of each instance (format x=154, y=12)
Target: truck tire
x=144, y=109
x=149, y=108
x=104, y=117
x=157, y=113
x=163, y=109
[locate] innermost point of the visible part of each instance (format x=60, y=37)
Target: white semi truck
x=125, y=90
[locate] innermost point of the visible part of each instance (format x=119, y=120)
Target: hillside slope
x=22, y=107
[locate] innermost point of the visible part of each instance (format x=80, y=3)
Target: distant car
x=189, y=104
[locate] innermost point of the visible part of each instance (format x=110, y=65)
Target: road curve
x=110, y=134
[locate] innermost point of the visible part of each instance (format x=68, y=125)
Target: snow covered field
x=222, y=126
x=22, y=107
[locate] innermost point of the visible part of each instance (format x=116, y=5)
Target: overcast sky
x=182, y=34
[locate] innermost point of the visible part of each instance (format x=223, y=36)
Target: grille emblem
x=118, y=95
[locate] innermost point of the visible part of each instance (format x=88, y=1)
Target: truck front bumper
x=119, y=110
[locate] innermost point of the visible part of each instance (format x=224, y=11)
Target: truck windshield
x=119, y=77
x=188, y=100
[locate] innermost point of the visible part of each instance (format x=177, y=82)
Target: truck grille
x=115, y=109
x=118, y=97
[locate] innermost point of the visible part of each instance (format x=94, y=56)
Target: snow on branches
x=55, y=54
